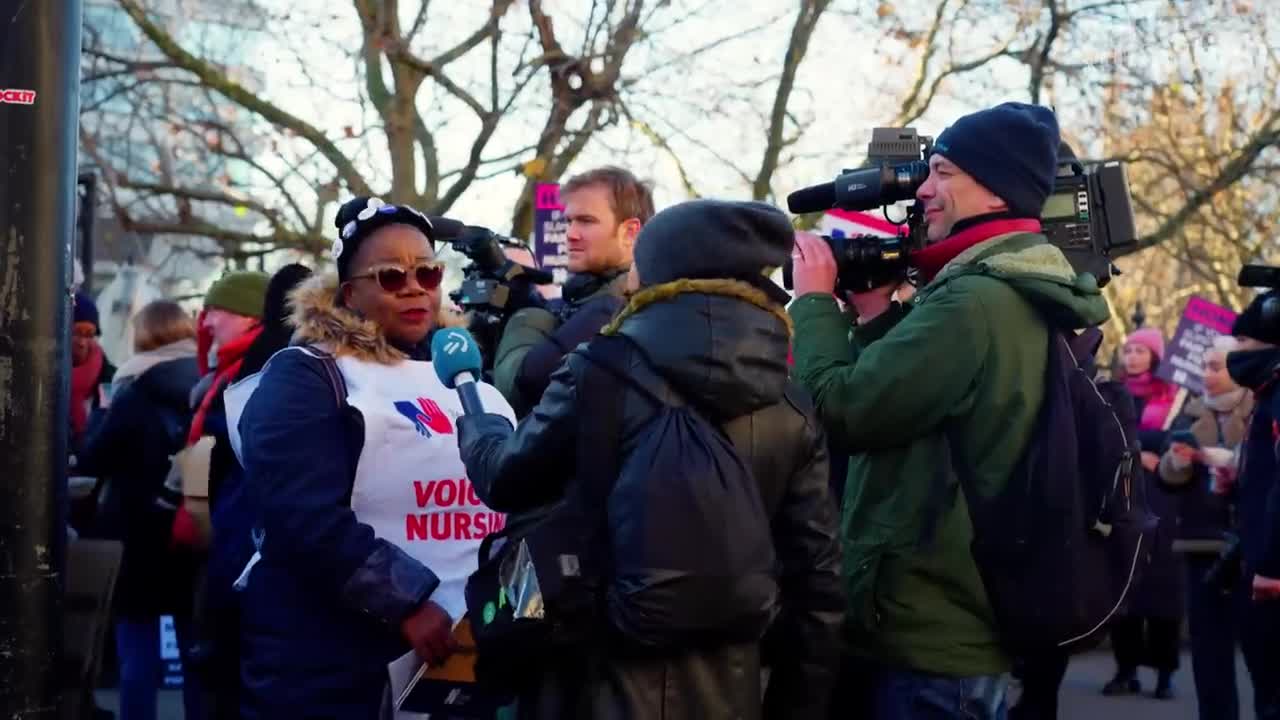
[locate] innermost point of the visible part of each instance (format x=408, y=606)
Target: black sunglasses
x=394, y=278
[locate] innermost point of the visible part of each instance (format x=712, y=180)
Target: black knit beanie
x=1261, y=319
x=709, y=239
x=86, y=310
x=360, y=217
x=1011, y=149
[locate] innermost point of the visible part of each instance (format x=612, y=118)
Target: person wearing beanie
x=362, y=525
x=90, y=368
x=1255, y=364
x=227, y=326
x=705, y=327
x=92, y=376
x=964, y=363
x=1149, y=630
x=605, y=209
x=230, y=518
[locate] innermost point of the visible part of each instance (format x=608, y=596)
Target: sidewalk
x=1082, y=699
x=1081, y=696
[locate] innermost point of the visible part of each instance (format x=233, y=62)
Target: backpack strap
x=336, y=382
x=598, y=451
x=944, y=486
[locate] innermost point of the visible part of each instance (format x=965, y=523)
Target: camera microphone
x=862, y=189
x=815, y=198
x=455, y=356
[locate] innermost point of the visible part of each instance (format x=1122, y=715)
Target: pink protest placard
x=1202, y=321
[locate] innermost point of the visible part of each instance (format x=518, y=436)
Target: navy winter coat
x=1161, y=592
x=1259, y=489
x=322, y=610
x=145, y=424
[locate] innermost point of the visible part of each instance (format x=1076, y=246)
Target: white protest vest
x=411, y=486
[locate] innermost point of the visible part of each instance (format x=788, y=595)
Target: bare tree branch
x=806, y=20
x=1239, y=166
x=217, y=80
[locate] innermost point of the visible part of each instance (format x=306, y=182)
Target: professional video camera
x=896, y=166
x=493, y=286
x=1089, y=213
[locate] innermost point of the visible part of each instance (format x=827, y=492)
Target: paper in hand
x=450, y=688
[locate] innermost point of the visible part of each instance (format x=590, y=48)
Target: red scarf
x=84, y=380
x=230, y=358
x=930, y=260
x=1159, y=396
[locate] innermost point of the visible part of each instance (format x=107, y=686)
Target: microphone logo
x=457, y=343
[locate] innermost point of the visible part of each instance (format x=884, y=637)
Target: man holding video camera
x=964, y=364
x=605, y=208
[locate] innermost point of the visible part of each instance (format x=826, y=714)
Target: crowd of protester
x=296, y=487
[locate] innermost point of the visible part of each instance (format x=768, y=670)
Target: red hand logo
x=433, y=417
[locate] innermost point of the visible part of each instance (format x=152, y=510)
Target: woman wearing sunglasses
x=367, y=527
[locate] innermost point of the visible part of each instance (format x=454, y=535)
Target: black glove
x=523, y=294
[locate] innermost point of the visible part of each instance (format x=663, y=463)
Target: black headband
x=361, y=217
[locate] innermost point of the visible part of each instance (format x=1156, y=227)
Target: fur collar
x=736, y=289
x=321, y=321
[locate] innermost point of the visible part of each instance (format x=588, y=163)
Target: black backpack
x=666, y=545
x=691, y=545
x=1062, y=548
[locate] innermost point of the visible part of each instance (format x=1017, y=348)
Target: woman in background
x=144, y=425
x=1200, y=465
x=1149, y=633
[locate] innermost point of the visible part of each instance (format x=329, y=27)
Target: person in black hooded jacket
x=707, y=321
x=1255, y=365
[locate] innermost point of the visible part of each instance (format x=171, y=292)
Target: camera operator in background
x=605, y=209
x=1255, y=365
x=962, y=367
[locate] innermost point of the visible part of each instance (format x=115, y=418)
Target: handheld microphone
x=456, y=359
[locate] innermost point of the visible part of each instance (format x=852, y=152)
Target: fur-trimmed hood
x=320, y=321
x=721, y=343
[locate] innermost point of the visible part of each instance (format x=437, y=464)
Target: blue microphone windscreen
x=454, y=351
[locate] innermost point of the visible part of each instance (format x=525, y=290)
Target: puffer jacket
x=321, y=610
x=722, y=347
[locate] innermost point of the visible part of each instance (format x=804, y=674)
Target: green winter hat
x=242, y=293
